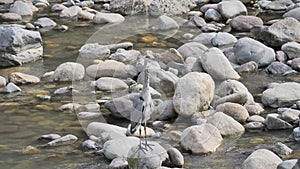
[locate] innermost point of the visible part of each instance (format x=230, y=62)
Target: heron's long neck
x=146, y=84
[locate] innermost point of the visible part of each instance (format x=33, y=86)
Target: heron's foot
x=147, y=145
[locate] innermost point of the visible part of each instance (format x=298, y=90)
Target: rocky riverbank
x=197, y=86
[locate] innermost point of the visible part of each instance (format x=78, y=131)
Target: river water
x=25, y=117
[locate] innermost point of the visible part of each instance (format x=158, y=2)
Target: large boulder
x=245, y=23
x=232, y=8
x=201, y=139
x=237, y=111
x=247, y=49
x=18, y=46
x=215, y=63
x=285, y=30
x=99, y=129
x=110, y=84
x=281, y=95
x=194, y=92
x=226, y=124
x=69, y=71
x=262, y=158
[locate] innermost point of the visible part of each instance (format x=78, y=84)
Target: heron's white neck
x=146, y=84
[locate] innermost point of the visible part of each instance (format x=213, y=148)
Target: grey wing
x=137, y=113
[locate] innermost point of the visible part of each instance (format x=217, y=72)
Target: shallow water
x=24, y=117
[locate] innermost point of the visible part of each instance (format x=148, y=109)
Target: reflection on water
x=24, y=117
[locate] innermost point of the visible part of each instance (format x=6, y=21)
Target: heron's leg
x=146, y=142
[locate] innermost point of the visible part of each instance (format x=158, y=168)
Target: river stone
x=254, y=108
x=165, y=22
x=90, y=145
x=279, y=5
x=282, y=150
x=57, y=7
x=64, y=140
x=2, y=82
x=85, y=15
x=279, y=68
x=291, y=49
x=281, y=95
x=279, y=33
x=166, y=110
x=10, y=88
x=22, y=78
x=44, y=23
x=192, y=49
x=92, y=51
x=223, y=39
x=50, y=136
x=289, y=115
x=110, y=84
x=234, y=110
x=70, y=107
x=226, y=124
x=201, y=139
x=149, y=158
x=21, y=8
x=296, y=134
x=213, y=15
x=296, y=64
x=197, y=21
x=254, y=126
x=194, y=92
x=245, y=23
x=256, y=118
x=273, y=122
x=126, y=56
x=247, y=67
x=287, y=164
x=101, y=18
x=118, y=163
x=191, y=64
x=205, y=39
x=119, y=147
x=19, y=46
x=232, y=8
x=97, y=129
x=10, y=17
x=216, y=64
x=294, y=13
x=247, y=49
x=170, y=55
x=176, y=157
x=70, y=12
x=88, y=115
x=6, y=1
x=261, y=158
x=69, y=71
x=109, y=68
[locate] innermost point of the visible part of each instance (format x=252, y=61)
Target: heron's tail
x=134, y=126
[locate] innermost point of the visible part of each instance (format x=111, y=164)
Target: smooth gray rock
x=279, y=33
x=170, y=55
x=113, y=131
x=19, y=78
x=213, y=15
x=273, y=122
x=166, y=110
x=69, y=71
x=176, y=157
x=281, y=95
x=126, y=56
x=296, y=134
x=64, y=140
x=279, y=5
x=215, y=63
x=296, y=64
x=2, y=82
x=254, y=108
x=254, y=126
x=287, y=164
x=88, y=115
x=111, y=84
x=234, y=110
x=10, y=17
x=205, y=38
x=232, y=8
x=118, y=163
x=197, y=21
x=201, y=139
x=85, y=15
x=245, y=23
x=223, y=39
x=70, y=12
x=45, y=23
x=101, y=18
x=92, y=51
x=194, y=92
x=165, y=22
x=247, y=67
x=261, y=158
x=294, y=13
x=90, y=145
x=192, y=49
x=282, y=150
x=291, y=49
x=10, y=88
x=57, y=7
x=226, y=124
x=247, y=49
x=18, y=46
x=6, y=1
x=21, y=8
x=256, y=118
x=50, y=136
x=212, y=27
x=289, y=115
x=191, y=64
x=279, y=68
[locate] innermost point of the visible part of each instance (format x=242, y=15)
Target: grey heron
x=143, y=105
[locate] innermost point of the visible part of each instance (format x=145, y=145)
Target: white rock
x=166, y=23
x=69, y=71
x=101, y=18
x=262, y=158
x=111, y=84
x=97, y=128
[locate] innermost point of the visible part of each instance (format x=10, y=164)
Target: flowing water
x=25, y=117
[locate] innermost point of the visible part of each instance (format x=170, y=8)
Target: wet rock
x=296, y=64
x=213, y=15
x=21, y=8
x=282, y=150
x=201, y=139
x=70, y=12
x=13, y=51
x=245, y=23
x=236, y=111
x=19, y=78
x=281, y=95
x=57, y=7
x=291, y=49
x=226, y=124
x=278, y=33
x=278, y=5
x=11, y=17
x=64, y=140
x=248, y=67
x=205, y=39
x=50, y=136
x=110, y=84
x=88, y=115
x=247, y=49
x=287, y=164
x=118, y=163
x=69, y=71
x=97, y=129
x=176, y=157
x=101, y=18
x=122, y=45
x=194, y=92
x=10, y=88
x=294, y=13
x=192, y=49
x=92, y=51
x=109, y=68
x=45, y=23
x=70, y=107
x=2, y=82
x=223, y=39
x=166, y=23
x=254, y=126
x=273, y=122
x=63, y=90
x=166, y=110
x=261, y=158
x=230, y=9
x=149, y=132
x=119, y=147
x=90, y=145
x=126, y=56
x=279, y=68
x=216, y=64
